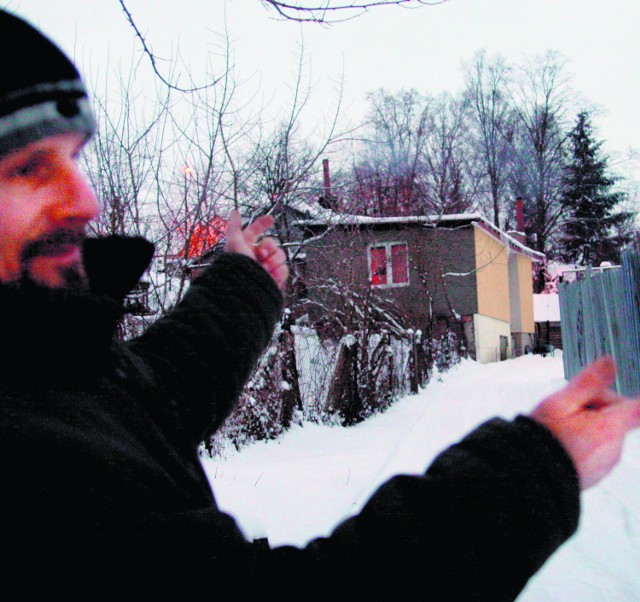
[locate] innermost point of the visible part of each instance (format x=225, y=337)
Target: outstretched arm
x=483, y=519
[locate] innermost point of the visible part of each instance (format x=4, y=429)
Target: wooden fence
x=600, y=316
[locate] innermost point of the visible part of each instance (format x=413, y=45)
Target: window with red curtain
x=378, y=265
x=389, y=264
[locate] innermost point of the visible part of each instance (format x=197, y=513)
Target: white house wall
x=487, y=332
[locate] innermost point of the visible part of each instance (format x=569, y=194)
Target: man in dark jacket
x=98, y=439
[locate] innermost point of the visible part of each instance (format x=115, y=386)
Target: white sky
x=389, y=47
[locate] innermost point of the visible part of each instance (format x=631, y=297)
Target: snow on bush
x=330, y=382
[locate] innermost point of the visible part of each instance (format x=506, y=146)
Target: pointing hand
x=263, y=250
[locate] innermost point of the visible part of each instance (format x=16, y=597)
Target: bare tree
x=540, y=95
x=416, y=159
x=203, y=183
x=386, y=171
x=449, y=182
x=124, y=163
x=165, y=170
x=283, y=168
x=493, y=130
x=124, y=160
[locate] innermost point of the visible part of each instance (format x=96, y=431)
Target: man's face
x=45, y=206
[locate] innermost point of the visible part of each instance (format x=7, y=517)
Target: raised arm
x=200, y=355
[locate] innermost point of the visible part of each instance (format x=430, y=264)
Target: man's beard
x=72, y=277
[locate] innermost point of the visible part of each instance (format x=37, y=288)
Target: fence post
x=414, y=377
x=343, y=397
x=290, y=384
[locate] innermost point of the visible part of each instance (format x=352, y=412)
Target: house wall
x=444, y=262
x=492, y=265
x=332, y=266
x=487, y=333
x=521, y=291
x=342, y=256
x=464, y=271
x=525, y=276
x=515, y=292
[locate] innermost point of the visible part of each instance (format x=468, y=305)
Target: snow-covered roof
x=345, y=219
x=314, y=211
x=557, y=268
x=340, y=219
x=546, y=308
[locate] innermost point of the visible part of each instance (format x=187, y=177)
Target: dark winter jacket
x=101, y=482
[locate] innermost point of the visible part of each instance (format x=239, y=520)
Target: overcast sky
x=389, y=47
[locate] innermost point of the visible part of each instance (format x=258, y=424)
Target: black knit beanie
x=41, y=93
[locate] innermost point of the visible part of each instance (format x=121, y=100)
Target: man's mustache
x=52, y=243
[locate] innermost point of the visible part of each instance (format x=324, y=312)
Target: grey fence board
x=601, y=316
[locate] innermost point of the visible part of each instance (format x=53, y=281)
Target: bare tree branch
x=315, y=13
x=324, y=12
x=152, y=56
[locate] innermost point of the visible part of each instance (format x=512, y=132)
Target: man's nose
x=75, y=202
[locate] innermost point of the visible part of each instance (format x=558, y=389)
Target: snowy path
x=301, y=486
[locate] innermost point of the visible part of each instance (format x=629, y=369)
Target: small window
x=378, y=266
x=389, y=264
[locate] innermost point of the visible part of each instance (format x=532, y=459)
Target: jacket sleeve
x=193, y=362
x=485, y=517
x=482, y=520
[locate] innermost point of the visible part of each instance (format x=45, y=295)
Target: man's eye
x=27, y=168
x=31, y=168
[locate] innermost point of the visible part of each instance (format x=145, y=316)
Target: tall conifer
x=589, y=232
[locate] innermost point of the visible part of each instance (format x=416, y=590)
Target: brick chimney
x=519, y=234
x=520, y=214
x=327, y=178
x=326, y=200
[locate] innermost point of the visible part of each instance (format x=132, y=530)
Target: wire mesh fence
x=600, y=316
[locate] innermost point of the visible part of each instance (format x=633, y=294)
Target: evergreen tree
x=590, y=231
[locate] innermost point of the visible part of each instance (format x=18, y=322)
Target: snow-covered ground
x=302, y=485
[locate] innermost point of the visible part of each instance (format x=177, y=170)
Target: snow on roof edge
x=337, y=219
